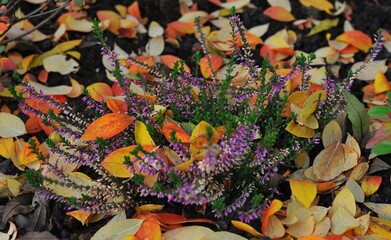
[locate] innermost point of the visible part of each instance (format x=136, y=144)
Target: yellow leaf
x=142, y=135
x=342, y=221
x=114, y=162
x=149, y=208
x=380, y=227
x=312, y=103
x=300, y=130
x=311, y=237
x=304, y=191
x=14, y=186
x=323, y=227
x=364, y=225
x=6, y=147
x=247, y=228
x=321, y=5
x=381, y=83
x=200, y=136
x=345, y=200
x=107, y=126
x=370, y=184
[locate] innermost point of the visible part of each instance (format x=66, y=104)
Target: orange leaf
x=326, y=186
x=150, y=229
x=275, y=205
x=304, y=191
x=107, y=126
x=279, y=14
x=381, y=83
x=113, y=17
x=134, y=69
x=134, y=10
x=99, y=90
x=116, y=105
x=216, y=62
x=356, y=38
x=321, y=5
x=82, y=216
x=267, y=51
x=370, y=184
x=311, y=238
x=27, y=156
x=180, y=134
x=32, y=125
x=43, y=76
x=7, y=64
x=169, y=61
x=247, y=228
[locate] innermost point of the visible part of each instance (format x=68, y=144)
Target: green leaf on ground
x=357, y=115
x=323, y=26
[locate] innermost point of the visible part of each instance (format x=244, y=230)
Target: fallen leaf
x=381, y=83
x=279, y=14
x=356, y=38
x=246, y=228
x=170, y=60
x=141, y=134
x=11, y=125
x=321, y=5
x=304, y=191
x=6, y=147
x=188, y=233
x=370, y=184
x=99, y=90
x=113, y=17
x=118, y=229
x=323, y=25
x=274, y=206
x=371, y=69
x=331, y=133
x=180, y=134
x=150, y=229
x=342, y=221
x=345, y=200
x=357, y=115
x=60, y=64
x=274, y=228
x=82, y=216
x=107, y=126
x=333, y=160
x=216, y=61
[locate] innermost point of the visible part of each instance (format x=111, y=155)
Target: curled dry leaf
x=57, y=90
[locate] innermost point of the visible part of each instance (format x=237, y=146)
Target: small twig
x=36, y=26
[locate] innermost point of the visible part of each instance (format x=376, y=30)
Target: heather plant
x=187, y=139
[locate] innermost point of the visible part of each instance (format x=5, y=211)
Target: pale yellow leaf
x=331, y=133
x=342, y=221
